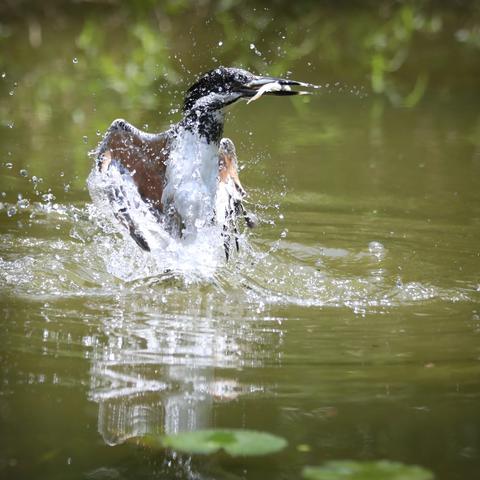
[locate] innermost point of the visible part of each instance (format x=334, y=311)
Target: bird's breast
x=191, y=181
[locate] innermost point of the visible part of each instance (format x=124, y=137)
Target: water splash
x=51, y=249
x=194, y=258
x=93, y=258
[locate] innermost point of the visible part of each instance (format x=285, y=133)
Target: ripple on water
x=75, y=252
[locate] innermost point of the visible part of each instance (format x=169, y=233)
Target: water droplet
x=11, y=211
x=255, y=49
x=4, y=75
x=23, y=172
x=98, y=133
x=376, y=249
x=75, y=60
x=284, y=233
x=85, y=139
x=8, y=165
x=11, y=93
x=48, y=197
x=23, y=203
x=220, y=43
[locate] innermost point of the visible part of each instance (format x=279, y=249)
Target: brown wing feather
x=228, y=172
x=228, y=169
x=227, y=165
x=142, y=154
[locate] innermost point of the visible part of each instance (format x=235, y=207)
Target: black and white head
x=223, y=86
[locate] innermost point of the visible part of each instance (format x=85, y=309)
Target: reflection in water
x=163, y=374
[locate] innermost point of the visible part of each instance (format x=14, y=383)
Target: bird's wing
x=140, y=153
x=228, y=167
x=132, y=160
x=230, y=194
x=229, y=179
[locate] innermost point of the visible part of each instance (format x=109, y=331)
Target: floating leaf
x=234, y=442
x=378, y=470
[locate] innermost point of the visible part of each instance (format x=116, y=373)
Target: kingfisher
x=186, y=177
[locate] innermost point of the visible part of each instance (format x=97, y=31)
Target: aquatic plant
x=373, y=470
x=235, y=442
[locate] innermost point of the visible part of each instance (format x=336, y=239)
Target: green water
x=349, y=323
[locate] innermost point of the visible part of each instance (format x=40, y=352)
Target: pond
x=349, y=321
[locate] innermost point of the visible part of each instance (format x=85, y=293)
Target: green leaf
x=377, y=470
x=235, y=442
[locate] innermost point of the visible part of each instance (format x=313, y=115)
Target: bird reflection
x=163, y=375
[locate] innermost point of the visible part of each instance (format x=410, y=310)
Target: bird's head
x=223, y=86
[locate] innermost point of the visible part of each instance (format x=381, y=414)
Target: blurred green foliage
x=133, y=48
x=63, y=62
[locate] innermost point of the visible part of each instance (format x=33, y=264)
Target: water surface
x=349, y=321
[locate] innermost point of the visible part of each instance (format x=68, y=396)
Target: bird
x=186, y=177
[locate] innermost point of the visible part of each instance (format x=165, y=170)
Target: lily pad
x=377, y=470
x=235, y=442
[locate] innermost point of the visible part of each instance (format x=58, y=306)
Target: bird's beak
x=259, y=86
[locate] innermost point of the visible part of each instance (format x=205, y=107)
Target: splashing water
x=91, y=258
x=194, y=258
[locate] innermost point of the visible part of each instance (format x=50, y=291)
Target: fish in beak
x=254, y=89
